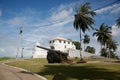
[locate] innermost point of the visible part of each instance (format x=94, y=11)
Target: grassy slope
x=63, y=71
x=5, y=58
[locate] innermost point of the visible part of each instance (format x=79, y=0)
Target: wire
x=107, y=5
x=54, y=23
x=58, y=22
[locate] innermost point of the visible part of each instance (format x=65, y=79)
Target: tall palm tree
x=83, y=19
x=86, y=40
x=112, y=46
x=103, y=34
x=104, y=52
x=118, y=22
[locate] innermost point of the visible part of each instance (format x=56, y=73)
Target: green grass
x=5, y=58
x=63, y=71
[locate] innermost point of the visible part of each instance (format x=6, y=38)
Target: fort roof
x=59, y=38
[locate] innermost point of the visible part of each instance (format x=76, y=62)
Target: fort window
x=65, y=46
x=68, y=42
x=53, y=41
x=59, y=41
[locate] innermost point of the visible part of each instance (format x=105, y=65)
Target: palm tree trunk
x=80, y=45
x=84, y=47
x=109, y=55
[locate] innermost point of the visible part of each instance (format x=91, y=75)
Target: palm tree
x=103, y=34
x=104, y=52
x=86, y=40
x=111, y=45
x=118, y=22
x=83, y=19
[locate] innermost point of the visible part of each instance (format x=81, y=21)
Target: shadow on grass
x=62, y=72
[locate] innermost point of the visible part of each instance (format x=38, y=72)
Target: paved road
x=10, y=73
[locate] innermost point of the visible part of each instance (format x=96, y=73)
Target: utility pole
x=22, y=53
x=19, y=40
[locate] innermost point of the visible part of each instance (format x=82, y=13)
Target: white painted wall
x=38, y=52
x=76, y=53
x=62, y=44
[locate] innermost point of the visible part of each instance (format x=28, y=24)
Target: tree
x=103, y=34
x=77, y=44
x=118, y=22
x=83, y=19
x=90, y=49
x=112, y=54
x=104, y=52
x=86, y=40
x=112, y=46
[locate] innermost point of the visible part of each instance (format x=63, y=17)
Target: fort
x=59, y=44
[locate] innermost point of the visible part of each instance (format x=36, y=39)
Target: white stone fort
x=61, y=44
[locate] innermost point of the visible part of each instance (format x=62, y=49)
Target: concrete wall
x=76, y=53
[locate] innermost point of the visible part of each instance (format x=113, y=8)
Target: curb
x=39, y=76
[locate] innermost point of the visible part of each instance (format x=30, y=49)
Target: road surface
x=10, y=73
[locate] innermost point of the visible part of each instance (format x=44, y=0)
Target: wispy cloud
x=113, y=9
x=17, y=21
x=2, y=50
x=0, y=13
x=115, y=31
x=61, y=13
x=116, y=36
x=117, y=10
x=118, y=49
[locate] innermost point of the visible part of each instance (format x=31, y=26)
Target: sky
x=42, y=20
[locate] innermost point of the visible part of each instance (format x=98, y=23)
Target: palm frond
x=118, y=22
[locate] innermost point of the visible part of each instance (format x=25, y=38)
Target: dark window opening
x=68, y=42
x=65, y=46
x=52, y=47
x=53, y=41
x=60, y=41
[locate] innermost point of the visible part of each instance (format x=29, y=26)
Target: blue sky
x=32, y=14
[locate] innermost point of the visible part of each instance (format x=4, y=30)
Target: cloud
x=17, y=21
x=25, y=17
x=116, y=37
x=118, y=49
x=0, y=13
x=117, y=10
x=115, y=31
x=61, y=13
x=2, y=50
x=59, y=25
x=113, y=9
